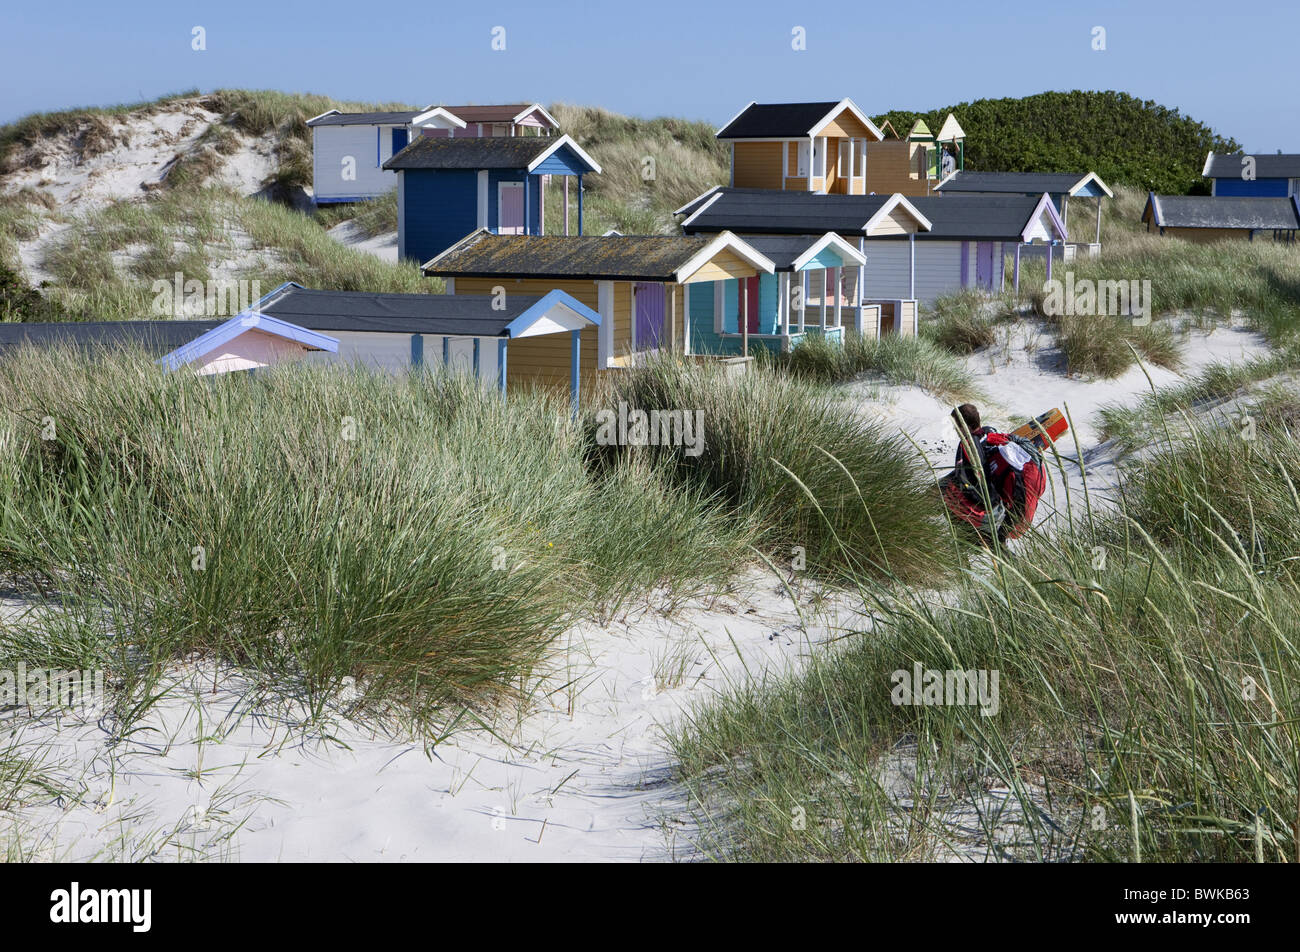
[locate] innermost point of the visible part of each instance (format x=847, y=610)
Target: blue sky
x=693, y=59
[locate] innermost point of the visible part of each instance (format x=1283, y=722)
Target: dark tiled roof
x=1226, y=211
x=1026, y=183
x=582, y=257
x=782, y=250
x=364, y=119
x=976, y=217
x=749, y=211
x=776, y=120
x=1228, y=165
x=463, y=314
x=773, y=211
x=500, y=152
x=155, y=337
x=476, y=315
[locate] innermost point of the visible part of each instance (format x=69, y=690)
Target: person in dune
x=997, y=478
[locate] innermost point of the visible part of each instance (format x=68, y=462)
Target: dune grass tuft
x=893, y=359
x=792, y=458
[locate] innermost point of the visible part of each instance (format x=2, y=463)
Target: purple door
x=510, y=208
x=984, y=265
x=649, y=316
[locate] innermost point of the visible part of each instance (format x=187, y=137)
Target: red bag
x=1027, y=491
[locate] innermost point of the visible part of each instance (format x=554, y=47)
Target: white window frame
x=605, y=333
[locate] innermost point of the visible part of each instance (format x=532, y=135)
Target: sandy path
x=1024, y=377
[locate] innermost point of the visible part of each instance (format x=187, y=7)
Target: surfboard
x=1053, y=423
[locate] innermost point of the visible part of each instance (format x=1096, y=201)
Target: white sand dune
x=383, y=246
x=1023, y=377
x=146, y=143
x=582, y=775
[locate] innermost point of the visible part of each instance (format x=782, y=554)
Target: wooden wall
x=544, y=360
x=846, y=126
x=889, y=169
x=757, y=164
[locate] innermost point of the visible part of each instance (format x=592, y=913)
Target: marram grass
x=310, y=524
x=1148, y=705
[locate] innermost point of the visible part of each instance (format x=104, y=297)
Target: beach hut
x=447, y=188
x=1257, y=175
x=1060, y=186
x=635, y=282
x=917, y=248
x=520, y=119
x=475, y=334
x=246, y=341
x=829, y=275
x=349, y=149
x=1206, y=218
x=970, y=242
x=812, y=291
x=801, y=146
x=914, y=164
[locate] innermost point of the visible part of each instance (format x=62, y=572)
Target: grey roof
x=461, y=314
x=470, y=315
x=782, y=250
x=1228, y=165
x=500, y=152
x=1026, y=183
x=773, y=211
x=155, y=337
x=749, y=211
x=1224, y=211
x=976, y=217
x=776, y=120
x=364, y=119
x=580, y=257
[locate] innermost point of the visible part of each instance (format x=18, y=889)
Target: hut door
x=510, y=208
x=984, y=265
x=649, y=316
x=751, y=303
